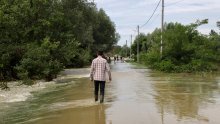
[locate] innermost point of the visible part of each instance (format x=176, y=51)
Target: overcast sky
x=127, y=14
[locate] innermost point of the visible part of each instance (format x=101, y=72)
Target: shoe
x=101, y=98
x=96, y=98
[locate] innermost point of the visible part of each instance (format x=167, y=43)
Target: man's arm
x=92, y=71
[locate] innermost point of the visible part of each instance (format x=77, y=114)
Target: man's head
x=100, y=53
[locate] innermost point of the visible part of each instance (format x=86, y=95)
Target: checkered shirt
x=98, y=69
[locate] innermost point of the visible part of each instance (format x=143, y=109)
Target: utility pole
x=138, y=45
x=162, y=24
x=126, y=49
x=130, y=46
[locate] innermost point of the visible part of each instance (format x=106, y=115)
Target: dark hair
x=100, y=53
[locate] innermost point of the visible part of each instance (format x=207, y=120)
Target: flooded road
x=136, y=95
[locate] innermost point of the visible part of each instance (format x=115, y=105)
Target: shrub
x=151, y=57
x=38, y=62
x=166, y=66
x=201, y=65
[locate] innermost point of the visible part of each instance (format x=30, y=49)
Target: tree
x=185, y=49
x=73, y=30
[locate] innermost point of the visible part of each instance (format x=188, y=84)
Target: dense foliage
x=38, y=38
x=184, y=49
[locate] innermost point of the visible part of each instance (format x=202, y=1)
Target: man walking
x=99, y=68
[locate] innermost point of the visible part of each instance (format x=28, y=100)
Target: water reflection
x=78, y=107
x=100, y=113
x=135, y=96
x=184, y=95
x=83, y=115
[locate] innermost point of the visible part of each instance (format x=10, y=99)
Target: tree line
x=39, y=38
x=185, y=49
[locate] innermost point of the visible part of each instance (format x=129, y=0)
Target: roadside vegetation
x=184, y=49
x=39, y=38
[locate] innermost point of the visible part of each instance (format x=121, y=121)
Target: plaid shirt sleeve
x=92, y=70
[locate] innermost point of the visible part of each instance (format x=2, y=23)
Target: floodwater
x=136, y=95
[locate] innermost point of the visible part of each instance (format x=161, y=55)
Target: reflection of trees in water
x=183, y=97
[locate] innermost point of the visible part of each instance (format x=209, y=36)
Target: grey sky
x=127, y=14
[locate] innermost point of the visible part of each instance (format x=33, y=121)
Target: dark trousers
x=99, y=85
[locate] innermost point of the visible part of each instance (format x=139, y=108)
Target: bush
x=10, y=55
x=165, y=65
x=201, y=65
x=184, y=49
x=39, y=63
x=81, y=59
x=150, y=58
x=143, y=58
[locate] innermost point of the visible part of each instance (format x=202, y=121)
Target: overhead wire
x=151, y=15
x=174, y=3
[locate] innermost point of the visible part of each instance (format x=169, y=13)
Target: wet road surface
x=136, y=95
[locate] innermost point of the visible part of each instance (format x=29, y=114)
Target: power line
x=152, y=14
x=155, y=17
x=174, y=3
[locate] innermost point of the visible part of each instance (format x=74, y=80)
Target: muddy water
x=135, y=96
